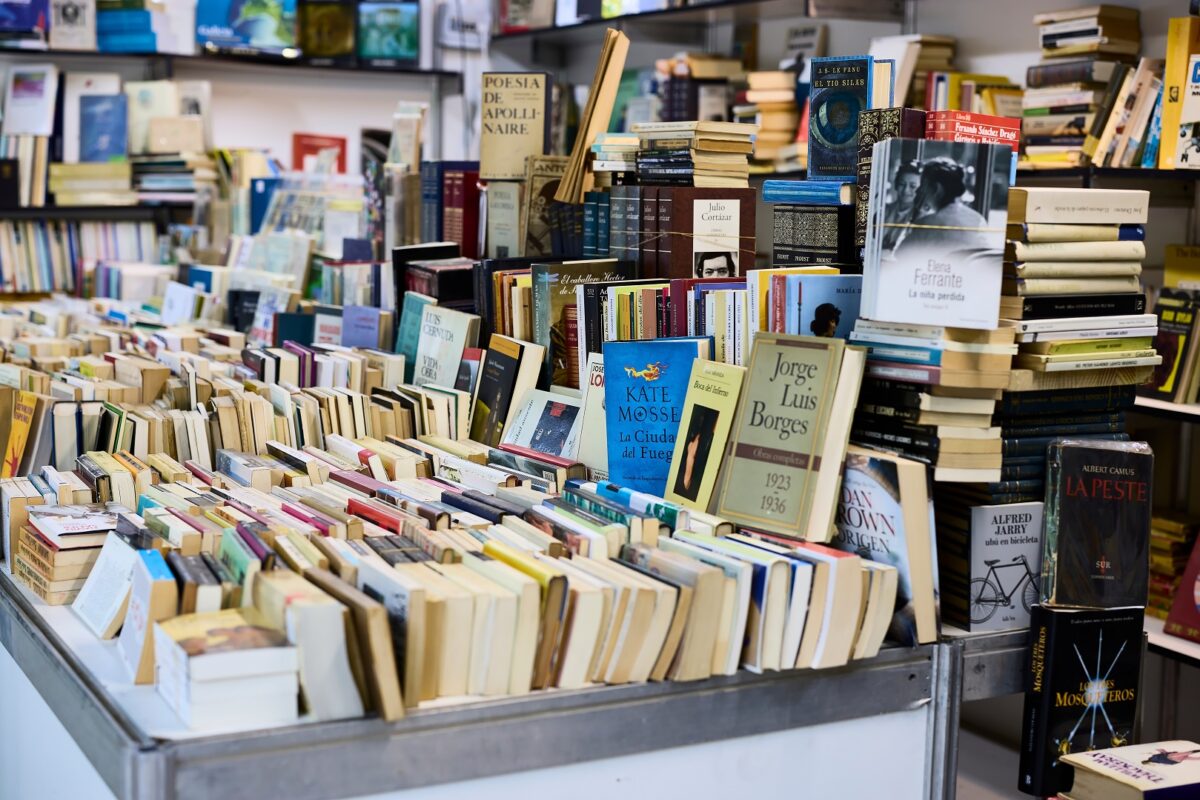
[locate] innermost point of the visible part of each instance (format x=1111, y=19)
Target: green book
x=408, y=332
x=789, y=438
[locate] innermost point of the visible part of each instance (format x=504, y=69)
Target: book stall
x=722, y=412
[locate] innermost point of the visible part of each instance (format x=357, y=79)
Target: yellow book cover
x=708, y=411
x=23, y=412
x=1183, y=40
x=514, y=122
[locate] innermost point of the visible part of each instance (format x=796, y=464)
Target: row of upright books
x=371, y=33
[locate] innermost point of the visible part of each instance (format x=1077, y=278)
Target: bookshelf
x=1179, y=412
x=698, y=17
x=145, y=212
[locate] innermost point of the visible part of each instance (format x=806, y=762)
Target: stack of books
x=916, y=56
x=173, y=177
x=813, y=222
x=696, y=86
x=700, y=154
x=1083, y=86
x=770, y=102
x=614, y=158
x=1172, y=537
x=93, y=184
x=54, y=552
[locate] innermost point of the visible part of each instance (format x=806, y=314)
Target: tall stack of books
x=770, y=102
x=1172, y=537
x=54, y=553
x=1077, y=88
x=700, y=154
x=614, y=158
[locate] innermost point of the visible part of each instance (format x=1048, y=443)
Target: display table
x=744, y=731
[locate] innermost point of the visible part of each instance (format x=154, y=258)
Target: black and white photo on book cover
x=935, y=238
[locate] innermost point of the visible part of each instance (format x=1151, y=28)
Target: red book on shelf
x=967, y=126
x=311, y=144
x=1184, y=619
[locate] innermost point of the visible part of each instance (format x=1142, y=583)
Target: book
x=1029, y=204
x=543, y=175
x=553, y=296
x=874, y=125
x=593, y=441
x=1183, y=620
x=884, y=515
x=103, y=600
x=326, y=31
x=812, y=234
x=29, y=97
x=389, y=32
x=790, y=434
x=307, y=148
x=509, y=369
x=444, y=334
x=1136, y=772
x=1081, y=689
x=704, y=233
x=1183, y=41
x=841, y=88
x=944, y=266
x=72, y=25
x=153, y=598
x=645, y=388
x=710, y=403
x=1097, y=528
x=822, y=305
x=503, y=231
x=514, y=123
x=221, y=25
x=545, y=422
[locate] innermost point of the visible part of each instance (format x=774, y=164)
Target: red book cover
x=964, y=126
x=469, y=202
x=778, y=307
x=537, y=455
x=371, y=512
x=357, y=481
x=1184, y=619
x=311, y=144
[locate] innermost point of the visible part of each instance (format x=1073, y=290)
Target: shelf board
x=705, y=14
x=1089, y=173
x=143, y=212
x=1180, y=412
x=260, y=60
x=1165, y=644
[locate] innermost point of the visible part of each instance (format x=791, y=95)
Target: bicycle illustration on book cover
x=988, y=593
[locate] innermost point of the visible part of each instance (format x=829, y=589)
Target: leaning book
x=935, y=256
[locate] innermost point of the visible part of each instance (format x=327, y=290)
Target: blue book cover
x=823, y=305
x=24, y=15
x=103, y=127
x=906, y=354
x=129, y=20
x=156, y=565
x=264, y=25
x=644, y=387
x=841, y=89
x=144, y=42
x=261, y=191
x=1154, y=135
x=812, y=192
x=360, y=326
x=408, y=332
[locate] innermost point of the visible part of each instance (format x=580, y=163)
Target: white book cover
x=593, y=443
x=546, y=422
x=444, y=334
x=935, y=245
x=72, y=24
x=102, y=601
x=148, y=99
x=29, y=98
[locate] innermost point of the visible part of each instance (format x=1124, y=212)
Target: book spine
x=616, y=223
x=633, y=228
x=1054, y=74
x=1038, y=700
x=661, y=210
x=1053, y=306
x=603, y=224
x=590, y=227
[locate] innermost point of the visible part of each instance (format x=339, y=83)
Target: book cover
x=1152, y=771
x=443, y=336
x=326, y=31
x=503, y=234
x=30, y=95
x=708, y=410
x=362, y=326
x=103, y=134
x=1184, y=617
x=514, y=122
x=840, y=91
x=991, y=566
x=875, y=125
x=509, y=368
x=408, y=332
x=553, y=294
x=389, y=33
x=645, y=385
x=1081, y=691
x=940, y=261
x=822, y=305
x=1175, y=341
x=705, y=233
x=1097, y=532
x=546, y=422
x=25, y=17
x=793, y=416
x=884, y=515
x=805, y=234
x=72, y=24
x=307, y=148
x=543, y=174
x=230, y=25
x=593, y=441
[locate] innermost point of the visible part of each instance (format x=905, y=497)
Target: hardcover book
x=840, y=90
x=645, y=385
x=884, y=515
x=708, y=410
x=939, y=261
x=790, y=435
x=1097, y=532
x=327, y=31
x=514, y=123
x=1080, y=692
x=705, y=233
x=444, y=335
x=813, y=234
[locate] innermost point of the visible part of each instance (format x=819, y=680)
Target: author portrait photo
x=715, y=265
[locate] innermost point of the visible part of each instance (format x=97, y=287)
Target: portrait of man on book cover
x=715, y=265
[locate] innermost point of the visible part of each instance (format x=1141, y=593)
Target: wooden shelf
x=1170, y=646
x=702, y=15
x=144, y=212
x=1164, y=408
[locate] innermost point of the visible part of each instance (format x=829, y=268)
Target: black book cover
x=1097, y=532
x=812, y=234
x=239, y=314
x=494, y=396
x=1053, y=306
x=1080, y=691
x=10, y=184
x=1057, y=401
x=403, y=256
